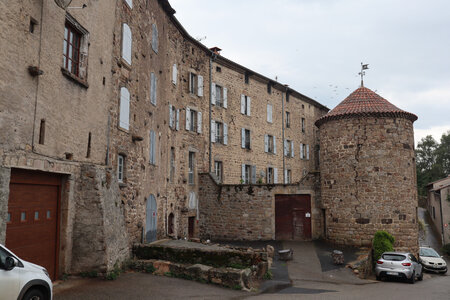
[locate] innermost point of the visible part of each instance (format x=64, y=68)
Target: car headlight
x=46, y=273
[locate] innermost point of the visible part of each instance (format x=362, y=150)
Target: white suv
x=22, y=280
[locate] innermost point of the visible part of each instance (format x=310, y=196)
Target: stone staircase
x=233, y=267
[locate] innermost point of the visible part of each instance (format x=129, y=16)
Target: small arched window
x=170, y=224
x=126, y=43
x=192, y=200
x=124, y=119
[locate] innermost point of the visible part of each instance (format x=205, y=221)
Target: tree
x=427, y=166
x=443, y=154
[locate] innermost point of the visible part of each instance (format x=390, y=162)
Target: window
x=174, y=117
x=288, y=148
x=191, y=167
x=245, y=138
x=269, y=88
x=120, y=169
x=219, y=132
x=269, y=178
x=270, y=144
x=124, y=119
x=72, y=43
x=152, y=153
x=154, y=38
x=269, y=113
x=218, y=170
x=248, y=174
x=303, y=125
x=218, y=69
x=130, y=3
x=170, y=224
x=33, y=24
x=219, y=96
x=126, y=43
x=307, y=152
x=288, y=120
x=434, y=213
x=246, y=78
x=245, y=105
x=287, y=97
x=174, y=74
x=172, y=165
x=288, y=176
x=153, y=88
x=196, y=85
x=304, y=151
x=193, y=120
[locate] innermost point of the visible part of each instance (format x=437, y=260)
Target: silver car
x=399, y=265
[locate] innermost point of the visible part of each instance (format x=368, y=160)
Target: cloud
x=435, y=131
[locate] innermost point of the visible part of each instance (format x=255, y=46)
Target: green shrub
x=268, y=275
x=150, y=269
x=382, y=242
x=446, y=249
x=90, y=274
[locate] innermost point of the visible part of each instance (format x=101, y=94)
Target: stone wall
x=368, y=180
x=247, y=212
x=5, y=174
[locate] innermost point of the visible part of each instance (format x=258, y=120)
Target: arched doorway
x=150, y=220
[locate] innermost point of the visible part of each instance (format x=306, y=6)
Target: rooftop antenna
x=362, y=73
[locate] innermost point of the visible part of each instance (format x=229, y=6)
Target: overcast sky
x=317, y=46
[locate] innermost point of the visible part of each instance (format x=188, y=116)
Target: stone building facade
x=140, y=132
x=438, y=205
x=367, y=170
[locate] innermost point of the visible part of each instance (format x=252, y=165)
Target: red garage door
x=32, y=227
x=292, y=217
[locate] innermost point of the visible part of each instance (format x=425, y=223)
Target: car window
x=413, y=258
x=3, y=256
x=428, y=252
x=394, y=257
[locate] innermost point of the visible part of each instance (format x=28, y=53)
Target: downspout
x=442, y=218
x=37, y=78
x=282, y=133
x=211, y=59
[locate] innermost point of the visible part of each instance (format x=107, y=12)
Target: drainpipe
x=282, y=134
x=211, y=59
x=442, y=217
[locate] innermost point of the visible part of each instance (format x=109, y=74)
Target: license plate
x=391, y=273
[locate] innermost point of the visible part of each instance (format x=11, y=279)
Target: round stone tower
x=367, y=169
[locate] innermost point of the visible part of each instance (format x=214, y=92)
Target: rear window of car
x=394, y=257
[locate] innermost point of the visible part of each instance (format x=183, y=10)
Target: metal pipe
x=282, y=133
x=211, y=59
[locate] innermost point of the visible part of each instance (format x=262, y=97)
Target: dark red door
x=292, y=217
x=191, y=226
x=32, y=227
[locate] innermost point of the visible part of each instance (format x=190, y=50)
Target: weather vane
x=362, y=73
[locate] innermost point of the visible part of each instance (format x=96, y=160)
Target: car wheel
x=378, y=277
x=420, y=278
x=33, y=294
x=412, y=280
x=444, y=272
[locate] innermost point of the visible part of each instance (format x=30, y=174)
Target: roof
x=231, y=64
x=363, y=102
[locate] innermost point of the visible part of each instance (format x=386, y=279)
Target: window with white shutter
x=307, y=152
x=126, y=43
x=275, y=175
x=253, y=174
x=302, y=151
x=124, y=115
x=193, y=85
x=269, y=113
x=129, y=3
x=153, y=91
x=200, y=86
x=120, y=168
x=152, y=153
x=243, y=177
x=274, y=145
x=245, y=138
x=245, y=105
x=178, y=120
x=174, y=74
x=225, y=98
x=292, y=148
x=288, y=148
x=154, y=38
x=171, y=116
x=188, y=118
x=199, y=122
x=266, y=143
x=213, y=131
x=225, y=134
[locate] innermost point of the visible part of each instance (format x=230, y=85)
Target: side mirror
x=10, y=263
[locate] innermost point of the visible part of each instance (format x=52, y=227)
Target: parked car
x=22, y=280
x=432, y=261
x=399, y=265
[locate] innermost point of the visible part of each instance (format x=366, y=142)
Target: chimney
x=216, y=50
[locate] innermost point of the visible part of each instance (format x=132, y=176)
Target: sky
x=317, y=46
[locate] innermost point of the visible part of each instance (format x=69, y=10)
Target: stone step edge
x=239, y=279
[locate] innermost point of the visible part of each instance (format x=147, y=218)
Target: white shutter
x=269, y=113
x=130, y=3
x=249, y=101
x=285, y=147
x=275, y=175
x=253, y=174
x=274, y=145
x=243, y=137
x=266, y=143
x=154, y=38
x=243, y=172
x=188, y=118
x=302, y=152
x=200, y=86
x=292, y=148
x=174, y=74
x=127, y=42
x=285, y=176
x=170, y=116
x=213, y=131
x=178, y=120
x=307, y=152
x=199, y=122
x=225, y=134
x=213, y=94
x=225, y=98
x=152, y=158
x=242, y=104
x=124, y=118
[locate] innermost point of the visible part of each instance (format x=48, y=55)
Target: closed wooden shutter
x=253, y=174
x=249, y=101
x=243, y=137
x=153, y=88
x=243, y=172
x=178, y=120
x=213, y=94
x=225, y=134
x=200, y=86
x=307, y=152
x=199, y=122
x=213, y=131
x=126, y=43
x=275, y=175
x=154, y=38
x=269, y=113
x=174, y=74
x=292, y=148
x=188, y=118
x=124, y=118
x=243, y=104
x=274, y=145
x=170, y=116
x=225, y=97
x=266, y=143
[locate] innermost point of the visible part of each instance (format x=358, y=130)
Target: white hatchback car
x=432, y=261
x=22, y=280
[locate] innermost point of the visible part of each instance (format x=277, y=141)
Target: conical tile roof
x=363, y=102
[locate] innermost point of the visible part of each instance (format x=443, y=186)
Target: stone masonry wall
x=247, y=212
x=5, y=174
x=368, y=180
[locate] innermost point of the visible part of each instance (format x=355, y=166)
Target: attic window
x=246, y=78
x=33, y=24
x=218, y=69
x=269, y=88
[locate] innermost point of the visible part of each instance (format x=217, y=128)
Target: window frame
x=193, y=83
x=70, y=29
x=288, y=119
x=218, y=170
x=172, y=165
x=219, y=96
x=121, y=168
x=247, y=139
x=191, y=168
x=270, y=175
x=303, y=125
x=218, y=130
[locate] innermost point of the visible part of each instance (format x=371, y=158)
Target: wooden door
x=293, y=217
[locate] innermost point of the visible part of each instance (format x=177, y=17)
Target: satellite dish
x=63, y=3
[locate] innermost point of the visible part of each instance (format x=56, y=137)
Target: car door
x=417, y=265
x=9, y=280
